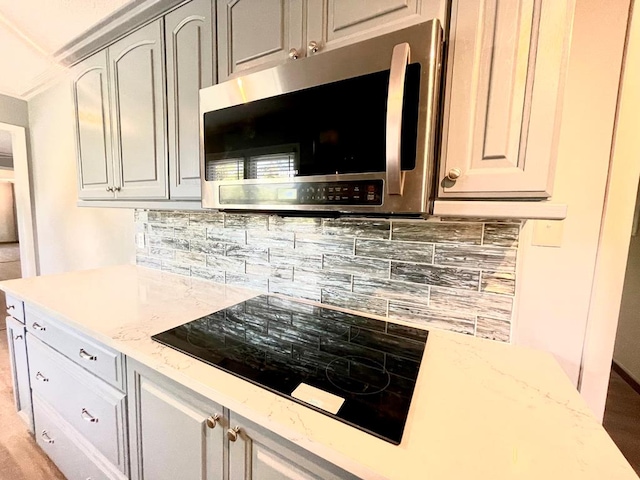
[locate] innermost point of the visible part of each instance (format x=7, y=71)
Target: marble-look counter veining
x=481, y=409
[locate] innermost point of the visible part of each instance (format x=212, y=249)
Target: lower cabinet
x=255, y=453
x=176, y=433
x=96, y=410
x=16, y=339
x=173, y=432
x=76, y=458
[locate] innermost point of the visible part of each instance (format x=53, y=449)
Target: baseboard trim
x=633, y=383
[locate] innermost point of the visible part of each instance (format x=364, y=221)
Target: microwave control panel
x=357, y=192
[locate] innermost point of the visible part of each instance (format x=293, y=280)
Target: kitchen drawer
x=71, y=454
x=96, y=410
x=86, y=352
x=15, y=308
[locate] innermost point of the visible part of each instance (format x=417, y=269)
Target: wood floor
x=20, y=457
x=622, y=419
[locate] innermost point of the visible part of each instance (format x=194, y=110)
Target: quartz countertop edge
x=481, y=409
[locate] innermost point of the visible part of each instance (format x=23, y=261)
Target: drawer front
x=95, y=409
x=15, y=308
x=68, y=451
x=89, y=354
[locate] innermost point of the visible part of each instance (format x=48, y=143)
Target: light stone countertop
x=481, y=409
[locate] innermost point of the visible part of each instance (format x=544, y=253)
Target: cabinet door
x=257, y=33
x=19, y=370
x=257, y=454
x=139, y=113
x=335, y=23
x=189, y=34
x=92, y=128
x=169, y=434
x=502, y=114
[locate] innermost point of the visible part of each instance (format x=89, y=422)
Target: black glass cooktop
x=356, y=369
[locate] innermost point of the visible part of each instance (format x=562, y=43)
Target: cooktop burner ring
x=363, y=360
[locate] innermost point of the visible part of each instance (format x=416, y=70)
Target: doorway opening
x=10, y=266
x=622, y=409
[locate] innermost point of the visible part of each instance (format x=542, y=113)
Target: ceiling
x=31, y=31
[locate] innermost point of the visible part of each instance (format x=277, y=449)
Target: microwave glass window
x=276, y=165
x=330, y=129
x=227, y=169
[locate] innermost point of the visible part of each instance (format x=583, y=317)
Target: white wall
x=627, y=349
x=13, y=111
x=555, y=283
x=69, y=237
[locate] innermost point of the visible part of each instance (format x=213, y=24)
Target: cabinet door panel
x=137, y=79
x=258, y=454
x=92, y=128
x=19, y=370
x=506, y=66
x=255, y=33
x=170, y=432
x=189, y=32
x=335, y=23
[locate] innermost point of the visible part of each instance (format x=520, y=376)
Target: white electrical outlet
x=548, y=233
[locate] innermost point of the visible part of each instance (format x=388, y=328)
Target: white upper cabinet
x=503, y=97
x=189, y=37
x=92, y=128
x=335, y=23
x=257, y=33
x=139, y=113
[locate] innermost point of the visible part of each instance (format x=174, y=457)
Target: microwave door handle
x=399, y=60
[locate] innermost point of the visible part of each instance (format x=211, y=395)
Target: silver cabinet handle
x=399, y=60
x=87, y=356
x=117, y=189
x=11, y=307
x=40, y=376
x=294, y=54
x=212, y=420
x=313, y=47
x=46, y=437
x=232, y=434
x=88, y=417
x=109, y=189
x=37, y=326
x=18, y=337
x=454, y=174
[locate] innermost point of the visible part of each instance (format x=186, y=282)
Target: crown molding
x=121, y=22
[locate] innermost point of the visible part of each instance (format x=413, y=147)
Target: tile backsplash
x=452, y=274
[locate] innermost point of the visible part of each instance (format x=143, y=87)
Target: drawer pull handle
x=88, y=417
x=18, y=337
x=46, y=437
x=11, y=307
x=212, y=420
x=40, y=376
x=87, y=356
x=232, y=434
x=37, y=326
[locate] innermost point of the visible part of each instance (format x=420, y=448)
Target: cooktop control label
x=318, y=398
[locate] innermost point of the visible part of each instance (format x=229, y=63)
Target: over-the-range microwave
x=349, y=130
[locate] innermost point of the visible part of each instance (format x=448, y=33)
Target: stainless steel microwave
x=349, y=130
